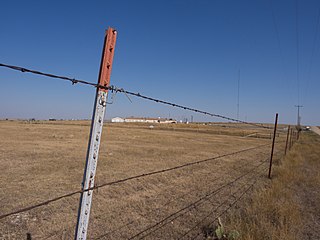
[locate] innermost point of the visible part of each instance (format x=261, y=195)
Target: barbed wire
x=72, y=80
x=180, y=212
x=214, y=209
x=212, y=180
x=171, y=219
x=125, y=180
x=231, y=205
x=121, y=90
x=115, y=89
x=176, y=198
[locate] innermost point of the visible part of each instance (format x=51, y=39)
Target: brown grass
x=289, y=207
x=43, y=160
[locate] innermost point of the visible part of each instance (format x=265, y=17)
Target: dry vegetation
x=42, y=160
x=289, y=208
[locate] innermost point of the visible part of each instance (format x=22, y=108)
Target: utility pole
x=95, y=135
x=298, y=116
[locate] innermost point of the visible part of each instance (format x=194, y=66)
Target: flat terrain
x=289, y=207
x=42, y=160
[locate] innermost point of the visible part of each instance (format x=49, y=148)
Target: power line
x=123, y=180
x=312, y=53
x=278, y=38
x=297, y=38
x=238, y=99
x=116, y=89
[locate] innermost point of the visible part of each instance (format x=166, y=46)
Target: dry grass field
x=42, y=160
x=289, y=207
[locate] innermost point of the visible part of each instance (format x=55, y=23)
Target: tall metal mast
x=298, y=116
x=238, y=102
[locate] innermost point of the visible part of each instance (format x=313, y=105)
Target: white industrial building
x=142, y=120
x=117, y=120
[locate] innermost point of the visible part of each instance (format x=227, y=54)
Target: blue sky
x=188, y=52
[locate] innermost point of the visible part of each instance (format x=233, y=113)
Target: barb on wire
x=24, y=70
x=113, y=97
x=125, y=180
x=194, y=110
x=113, y=88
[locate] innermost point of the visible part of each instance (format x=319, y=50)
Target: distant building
x=143, y=120
x=117, y=120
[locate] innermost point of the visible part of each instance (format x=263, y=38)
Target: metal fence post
x=273, y=141
x=290, y=141
x=285, y=150
x=95, y=135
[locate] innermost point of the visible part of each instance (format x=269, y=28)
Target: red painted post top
x=107, y=58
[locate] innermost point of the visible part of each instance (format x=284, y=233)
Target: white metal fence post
x=95, y=135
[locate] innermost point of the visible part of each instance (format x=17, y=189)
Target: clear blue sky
x=188, y=52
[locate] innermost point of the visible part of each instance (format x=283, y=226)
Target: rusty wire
x=214, y=209
x=125, y=180
x=182, y=211
x=168, y=202
x=126, y=92
x=232, y=204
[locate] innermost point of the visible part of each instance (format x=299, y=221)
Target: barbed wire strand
x=172, y=200
x=179, y=213
x=189, y=209
x=130, y=222
x=125, y=180
x=117, y=229
x=231, y=205
x=214, y=209
x=211, y=181
x=192, y=204
x=121, y=90
x=183, y=213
